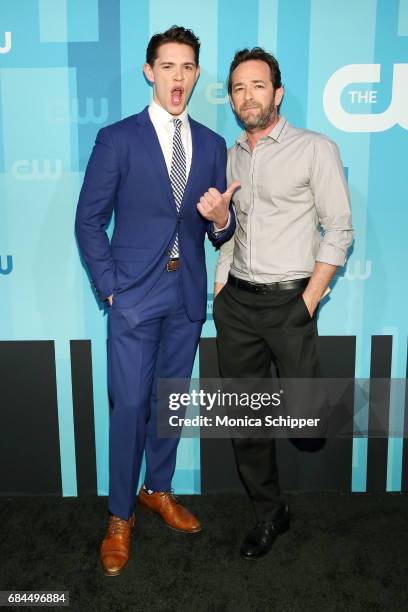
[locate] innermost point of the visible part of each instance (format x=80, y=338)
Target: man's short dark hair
x=175, y=34
x=256, y=53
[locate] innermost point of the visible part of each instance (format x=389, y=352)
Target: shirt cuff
x=218, y=231
x=329, y=254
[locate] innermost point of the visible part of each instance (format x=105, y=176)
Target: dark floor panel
x=29, y=436
x=377, y=449
x=83, y=409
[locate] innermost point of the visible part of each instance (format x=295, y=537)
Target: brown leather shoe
x=173, y=514
x=115, y=549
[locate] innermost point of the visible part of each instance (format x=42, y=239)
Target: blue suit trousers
x=153, y=339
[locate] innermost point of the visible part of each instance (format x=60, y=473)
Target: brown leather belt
x=173, y=265
x=298, y=283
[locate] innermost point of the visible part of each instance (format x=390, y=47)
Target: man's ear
x=197, y=73
x=279, y=95
x=231, y=102
x=148, y=72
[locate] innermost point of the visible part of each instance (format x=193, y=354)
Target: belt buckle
x=172, y=265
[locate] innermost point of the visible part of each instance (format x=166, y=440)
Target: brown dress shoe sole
x=149, y=510
x=113, y=573
x=183, y=530
x=108, y=573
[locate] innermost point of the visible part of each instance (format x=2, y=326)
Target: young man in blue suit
x=163, y=175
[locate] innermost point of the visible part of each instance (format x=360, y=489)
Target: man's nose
x=179, y=75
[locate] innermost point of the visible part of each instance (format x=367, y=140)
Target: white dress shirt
x=164, y=126
x=293, y=208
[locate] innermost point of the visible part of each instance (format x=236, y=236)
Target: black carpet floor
x=342, y=553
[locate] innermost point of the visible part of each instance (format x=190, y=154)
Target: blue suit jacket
x=127, y=175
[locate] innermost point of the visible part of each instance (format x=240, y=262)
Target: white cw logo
x=58, y=111
x=90, y=115
x=211, y=94
x=358, y=273
x=396, y=113
x=28, y=170
x=7, y=43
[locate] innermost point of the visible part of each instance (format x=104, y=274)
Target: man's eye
x=259, y=86
x=188, y=67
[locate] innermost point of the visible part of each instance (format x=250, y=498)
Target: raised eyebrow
x=253, y=81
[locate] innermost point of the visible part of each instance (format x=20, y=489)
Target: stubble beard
x=260, y=122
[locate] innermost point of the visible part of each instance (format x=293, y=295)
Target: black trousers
x=254, y=330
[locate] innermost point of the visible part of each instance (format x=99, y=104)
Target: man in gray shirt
x=293, y=230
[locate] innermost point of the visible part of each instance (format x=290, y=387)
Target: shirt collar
x=277, y=132
x=162, y=117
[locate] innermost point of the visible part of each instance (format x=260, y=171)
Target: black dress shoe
x=260, y=539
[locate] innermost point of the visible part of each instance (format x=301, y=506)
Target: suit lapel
x=151, y=143
x=152, y=146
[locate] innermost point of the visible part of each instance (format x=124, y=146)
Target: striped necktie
x=177, y=174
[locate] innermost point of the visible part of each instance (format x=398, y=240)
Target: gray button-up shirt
x=292, y=209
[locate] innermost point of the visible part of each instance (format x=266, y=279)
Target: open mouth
x=177, y=94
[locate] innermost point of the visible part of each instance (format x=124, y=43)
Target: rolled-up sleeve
x=332, y=202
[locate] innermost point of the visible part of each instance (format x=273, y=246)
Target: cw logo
x=59, y=112
x=396, y=113
x=211, y=94
x=90, y=116
x=9, y=266
x=358, y=273
x=28, y=170
x=7, y=43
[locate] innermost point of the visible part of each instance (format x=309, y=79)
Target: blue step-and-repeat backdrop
x=69, y=67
